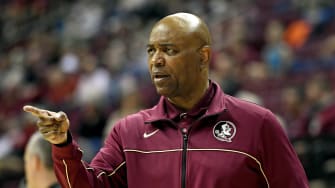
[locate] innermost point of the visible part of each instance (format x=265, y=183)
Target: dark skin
x=178, y=59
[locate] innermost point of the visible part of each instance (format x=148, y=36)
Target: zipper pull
x=184, y=131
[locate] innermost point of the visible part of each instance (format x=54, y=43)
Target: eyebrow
x=161, y=44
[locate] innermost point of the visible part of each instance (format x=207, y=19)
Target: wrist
x=67, y=141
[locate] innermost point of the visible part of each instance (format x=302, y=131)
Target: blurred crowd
x=88, y=59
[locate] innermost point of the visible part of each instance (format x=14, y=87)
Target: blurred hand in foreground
x=52, y=125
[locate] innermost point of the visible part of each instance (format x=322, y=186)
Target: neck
x=186, y=103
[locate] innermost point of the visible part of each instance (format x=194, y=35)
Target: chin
x=163, y=92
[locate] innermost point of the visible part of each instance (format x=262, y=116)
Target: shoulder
x=236, y=105
x=248, y=113
x=137, y=119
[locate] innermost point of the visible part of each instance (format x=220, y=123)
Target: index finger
x=36, y=111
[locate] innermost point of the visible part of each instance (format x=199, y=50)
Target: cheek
x=184, y=65
x=149, y=64
x=29, y=169
x=28, y=172
x=190, y=67
x=149, y=68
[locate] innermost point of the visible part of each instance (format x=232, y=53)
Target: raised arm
x=107, y=169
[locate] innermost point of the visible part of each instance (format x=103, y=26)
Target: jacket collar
x=216, y=106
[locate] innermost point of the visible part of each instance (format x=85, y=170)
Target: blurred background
x=88, y=59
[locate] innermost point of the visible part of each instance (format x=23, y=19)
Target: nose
x=158, y=59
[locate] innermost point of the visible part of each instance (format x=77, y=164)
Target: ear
x=205, y=53
x=36, y=162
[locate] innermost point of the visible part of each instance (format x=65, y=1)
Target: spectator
x=38, y=164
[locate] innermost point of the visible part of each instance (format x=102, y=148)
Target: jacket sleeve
x=107, y=169
x=281, y=165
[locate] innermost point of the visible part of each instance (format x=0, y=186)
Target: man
x=38, y=164
x=177, y=143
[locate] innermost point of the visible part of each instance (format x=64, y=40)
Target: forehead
x=165, y=33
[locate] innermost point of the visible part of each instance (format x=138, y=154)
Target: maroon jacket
x=234, y=144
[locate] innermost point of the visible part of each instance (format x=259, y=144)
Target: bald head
x=186, y=24
x=178, y=57
x=38, y=163
x=38, y=146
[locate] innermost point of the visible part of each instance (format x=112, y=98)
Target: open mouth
x=160, y=76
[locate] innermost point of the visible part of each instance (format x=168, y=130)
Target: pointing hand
x=52, y=125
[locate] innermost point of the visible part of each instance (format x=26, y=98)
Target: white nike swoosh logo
x=145, y=135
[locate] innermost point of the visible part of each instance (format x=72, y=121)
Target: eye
x=171, y=51
x=150, y=51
